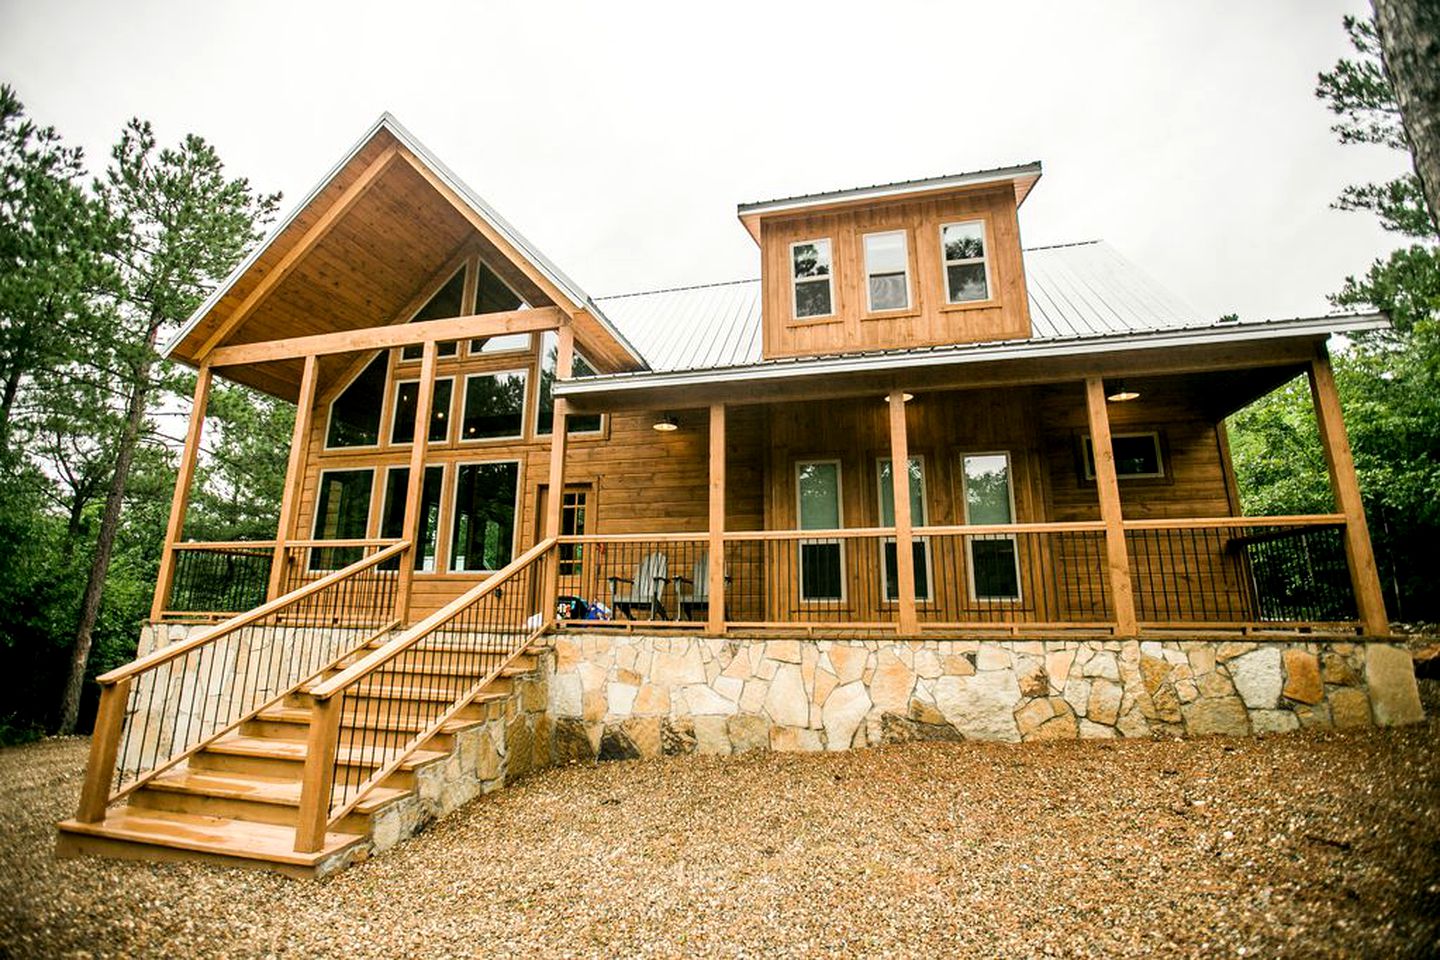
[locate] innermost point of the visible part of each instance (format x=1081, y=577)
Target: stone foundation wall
x=615, y=696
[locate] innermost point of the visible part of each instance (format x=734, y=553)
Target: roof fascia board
x=890, y=190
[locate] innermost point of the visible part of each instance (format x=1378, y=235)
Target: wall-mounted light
x=667, y=423
x=1117, y=391
x=907, y=397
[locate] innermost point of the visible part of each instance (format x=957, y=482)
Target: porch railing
x=215, y=580
x=167, y=705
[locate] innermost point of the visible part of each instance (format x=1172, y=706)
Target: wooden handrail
x=224, y=545
x=358, y=670
x=166, y=654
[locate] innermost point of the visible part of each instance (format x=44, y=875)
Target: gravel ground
x=1300, y=845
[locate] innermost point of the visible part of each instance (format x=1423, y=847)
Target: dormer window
x=966, y=278
x=810, y=268
x=887, y=271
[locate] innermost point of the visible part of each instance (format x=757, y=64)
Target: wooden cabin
x=715, y=460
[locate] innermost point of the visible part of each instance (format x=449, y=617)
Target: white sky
x=619, y=137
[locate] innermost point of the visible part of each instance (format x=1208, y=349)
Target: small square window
x=1137, y=455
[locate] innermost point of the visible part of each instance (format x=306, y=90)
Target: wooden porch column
x=555, y=496
x=904, y=537
x=294, y=475
x=1364, y=576
x=1117, y=557
x=716, y=588
x=175, y=528
x=415, y=488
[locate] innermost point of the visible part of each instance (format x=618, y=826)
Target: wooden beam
x=1117, y=557
x=317, y=232
x=392, y=335
x=555, y=499
x=318, y=779
x=909, y=622
x=716, y=588
x=294, y=475
x=1364, y=575
x=104, y=749
x=415, y=488
x=184, y=476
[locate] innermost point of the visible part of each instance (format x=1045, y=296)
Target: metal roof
x=1076, y=290
x=968, y=178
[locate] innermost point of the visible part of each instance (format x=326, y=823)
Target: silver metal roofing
x=968, y=178
x=1076, y=290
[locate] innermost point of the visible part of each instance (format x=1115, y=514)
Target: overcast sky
x=619, y=137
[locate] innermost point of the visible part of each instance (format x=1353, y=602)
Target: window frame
x=524, y=372
x=534, y=423
x=1019, y=597
x=454, y=518
x=384, y=407
x=474, y=301
x=465, y=268
x=820, y=541
x=795, y=282
x=946, y=263
x=929, y=596
x=394, y=400
x=1087, y=456
x=370, y=518
x=870, y=308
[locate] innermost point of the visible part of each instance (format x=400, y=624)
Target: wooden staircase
x=236, y=801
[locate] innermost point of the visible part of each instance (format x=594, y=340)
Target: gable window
x=392, y=514
x=989, y=500
x=494, y=406
x=355, y=413
x=342, y=512
x=545, y=412
x=822, y=562
x=1137, y=455
x=482, y=536
x=493, y=295
x=814, y=294
x=407, y=396
x=966, y=277
x=921, y=545
x=887, y=271
x=448, y=301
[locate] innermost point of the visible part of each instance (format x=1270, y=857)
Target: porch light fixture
x=1119, y=393
x=907, y=397
x=667, y=423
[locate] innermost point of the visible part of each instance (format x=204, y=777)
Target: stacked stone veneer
x=614, y=696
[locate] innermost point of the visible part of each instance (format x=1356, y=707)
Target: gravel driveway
x=1298, y=845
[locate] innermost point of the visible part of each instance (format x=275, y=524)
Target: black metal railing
x=663, y=578
x=211, y=580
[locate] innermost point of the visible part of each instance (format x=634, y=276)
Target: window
x=1137, y=455
x=355, y=413
x=921, y=546
x=493, y=295
x=990, y=501
x=407, y=395
x=342, y=512
x=814, y=295
x=963, y=246
x=392, y=514
x=494, y=406
x=448, y=301
x=887, y=271
x=483, y=526
x=572, y=524
x=545, y=413
x=822, y=562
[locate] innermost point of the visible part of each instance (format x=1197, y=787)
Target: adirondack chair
x=692, y=593
x=646, y=588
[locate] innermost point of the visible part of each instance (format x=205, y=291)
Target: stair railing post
x=104, y=750
x=318, y=780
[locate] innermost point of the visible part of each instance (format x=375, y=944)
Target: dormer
x=912, y=264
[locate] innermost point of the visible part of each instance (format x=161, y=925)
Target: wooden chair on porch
x=646, y=588
x=692, y=593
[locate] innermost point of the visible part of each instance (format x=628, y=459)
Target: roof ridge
x=693, y=286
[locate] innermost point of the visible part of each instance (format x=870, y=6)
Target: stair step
x=213, y=836
x=301, y=715
x=256, y=789
x=376, y=688
x=408, y=666
x=294, y=750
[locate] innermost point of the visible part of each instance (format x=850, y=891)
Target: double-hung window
x=813, y=291
x=887, y=271
x=822, y=561
x=966, y=272
x=990, y=501
x=921, y=545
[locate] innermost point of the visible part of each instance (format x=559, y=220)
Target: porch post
x=716, y=566
x=1364, y=576
x=184, y=476
x=555, y=497
x=294, y=476
x=1117, y=557
x=415, y=488
x=904, y=537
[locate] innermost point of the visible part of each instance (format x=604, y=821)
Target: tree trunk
x=105, y=543
x=7, y=406
x=1410, y=40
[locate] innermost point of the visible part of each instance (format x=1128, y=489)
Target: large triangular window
x=493, y=295
x=448, y=301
